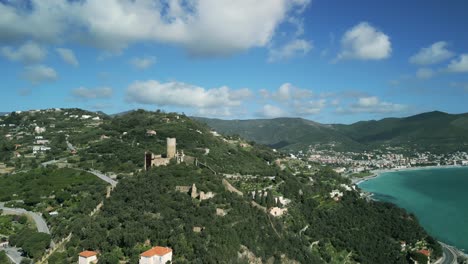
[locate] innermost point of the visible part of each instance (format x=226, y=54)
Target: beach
x=378, y=172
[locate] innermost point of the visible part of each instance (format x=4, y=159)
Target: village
x=350, y=162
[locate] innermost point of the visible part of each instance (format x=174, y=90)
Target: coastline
x=378, y=172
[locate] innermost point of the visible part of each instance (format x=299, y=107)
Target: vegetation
x=4, y=258
x=145, y=209
x=32, y=242
x=11, y=224
x=437, y=132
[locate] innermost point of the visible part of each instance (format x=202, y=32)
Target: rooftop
x=87, y=254
x=160, y=251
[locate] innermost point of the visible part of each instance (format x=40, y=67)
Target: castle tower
x=171, y=147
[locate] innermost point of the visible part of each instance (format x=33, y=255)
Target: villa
x=156, y=255
x=87, y=257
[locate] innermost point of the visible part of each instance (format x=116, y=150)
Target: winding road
x=102, y=176
x=40, y=222
x=12, y=252
x=449, y=256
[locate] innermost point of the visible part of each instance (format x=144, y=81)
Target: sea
x=437, y=196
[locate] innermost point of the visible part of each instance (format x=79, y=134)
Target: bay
x=437, y=196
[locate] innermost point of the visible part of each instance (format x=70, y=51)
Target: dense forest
x=146, y=210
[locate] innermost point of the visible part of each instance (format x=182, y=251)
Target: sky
x=330, y=61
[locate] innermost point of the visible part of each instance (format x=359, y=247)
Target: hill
x=288, y=133
x=435, y=131
x=189, y=205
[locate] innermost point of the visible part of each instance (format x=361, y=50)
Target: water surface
x=438, y=197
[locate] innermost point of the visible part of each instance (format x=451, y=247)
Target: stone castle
x=160, y=160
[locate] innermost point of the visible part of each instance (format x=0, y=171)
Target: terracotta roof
x=87, y=254
x=425, y=252
x=160, y=251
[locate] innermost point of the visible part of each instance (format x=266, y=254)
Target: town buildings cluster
x=387, y=158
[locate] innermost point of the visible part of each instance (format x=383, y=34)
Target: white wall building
x=156, y=255
x=87, y=257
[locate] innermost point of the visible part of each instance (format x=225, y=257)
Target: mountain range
x=434, y=131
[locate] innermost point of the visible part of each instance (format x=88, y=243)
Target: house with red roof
x=156, y=255
x=87, y=257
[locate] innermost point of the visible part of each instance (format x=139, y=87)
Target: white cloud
x=39, y=74
x=220, y=101
x=309, y=107
x=271, y=111
x=364, y=42
x=96, y=93
x=372, y=104
x=203, y=27
x=286, y=92
x=29, y=52
x=68, y=56
x=460, y=64
x=143, y=62
x=294, y=48
x=433, y=54
x=424, y=73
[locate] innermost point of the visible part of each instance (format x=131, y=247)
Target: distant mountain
x=436, y=131
x=3, y=113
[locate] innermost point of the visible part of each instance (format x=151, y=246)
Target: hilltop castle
x=171, y=153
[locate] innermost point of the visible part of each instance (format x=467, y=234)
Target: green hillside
x=435, y=131
x=290, y=133
x=158, y=206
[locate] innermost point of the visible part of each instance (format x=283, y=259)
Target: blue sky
x=329, y=61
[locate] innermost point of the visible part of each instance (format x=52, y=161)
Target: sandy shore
x=377, y=173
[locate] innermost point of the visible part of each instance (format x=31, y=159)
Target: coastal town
x=384, y=158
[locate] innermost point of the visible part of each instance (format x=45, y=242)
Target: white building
x=87, y=257
x=276, y=211
x=37, y=149
x=336, y=195
x=39, y=130
x=156, y=255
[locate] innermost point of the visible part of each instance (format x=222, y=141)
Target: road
x=13, y=253
x=40, y=222
x=102, y=177
x=449, y=255
x=41, y=225
x=44, y=164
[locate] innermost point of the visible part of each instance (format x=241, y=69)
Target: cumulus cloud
x=203, y=27
x=286, y=92
x=271, y=111
x=309, y=107
x=143, y=62
x=433, y=54
x=460, y=64
x=29, y=52
x=67, y=56
x=294, y=48
x=373, y=105
x=185, y=95
x=424, y=73
x=92, y=93
x=38, y=74
x=364, y=42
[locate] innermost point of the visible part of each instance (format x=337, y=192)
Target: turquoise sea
x=438, y=197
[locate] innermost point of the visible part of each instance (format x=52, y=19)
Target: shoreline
x=378, y=172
